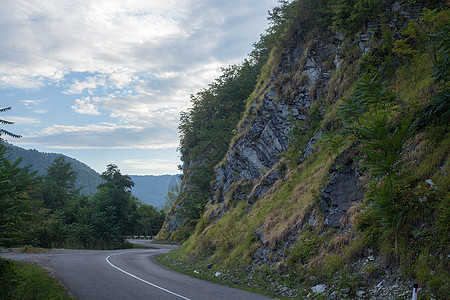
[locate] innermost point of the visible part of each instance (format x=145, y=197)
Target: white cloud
x=85, y=106
x=34, y=106
x=93, y=128
x=30, y=102
x=40, y=111
x=158, y=166
x=90, y=83
x=102, y=136
x=23, y=120
x=129, y=63
x=41, y=39
x=121, y=79
x=47, y=39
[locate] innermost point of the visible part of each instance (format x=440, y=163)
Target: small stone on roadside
x=319, y=288
x=360, y=294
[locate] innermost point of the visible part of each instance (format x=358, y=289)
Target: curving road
x=127, y=274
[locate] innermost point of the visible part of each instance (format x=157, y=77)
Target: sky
x=104, y=81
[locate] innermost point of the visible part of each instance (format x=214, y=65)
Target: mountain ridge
x=150, y=189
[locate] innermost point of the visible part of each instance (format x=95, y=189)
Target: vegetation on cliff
x=382, y=117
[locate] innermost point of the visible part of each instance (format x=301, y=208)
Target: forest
x=49, y=211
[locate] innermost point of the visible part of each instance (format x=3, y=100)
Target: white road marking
x=145, y=281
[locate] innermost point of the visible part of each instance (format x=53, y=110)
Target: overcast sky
x=104, y=81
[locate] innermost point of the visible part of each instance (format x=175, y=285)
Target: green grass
x=134, y=246
x=35, y=283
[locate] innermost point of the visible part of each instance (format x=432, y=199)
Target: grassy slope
x=32, y=282
x=227, y=245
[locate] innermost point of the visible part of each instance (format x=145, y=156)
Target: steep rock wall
x=265, y=134
x=303, y=74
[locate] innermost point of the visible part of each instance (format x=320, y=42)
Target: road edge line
x=138, y=278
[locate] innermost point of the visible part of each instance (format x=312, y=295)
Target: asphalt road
x=127, y=274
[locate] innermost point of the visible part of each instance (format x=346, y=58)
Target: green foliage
x=307, y=246
x=5, y=122
x=380, y=59
x=35, y=283
x=350, y=16
x=54, y=214
x=8, y=279
x=58, y=186
x=114, y=201
x=171, y=197
x=206, y=130
x=383, y=143
x=350, y=110
x=296, y=19
x=16, y=205
x=438, y=110
x=332, y=140
x=149, y=220
x=372, y=93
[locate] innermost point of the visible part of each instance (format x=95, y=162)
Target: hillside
x=150, y=189
x=87, y=178
x=332, y=181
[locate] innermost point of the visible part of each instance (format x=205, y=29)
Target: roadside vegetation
x=50, y=212
x=389, y=109
x=21, y=280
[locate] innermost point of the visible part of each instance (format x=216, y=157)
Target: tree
x=59, y=184
x=171, y=197
x=114, y=197
x=149, y=220
x=16, y=205
x=383, y=143
x=438, y=109
x=4, y=122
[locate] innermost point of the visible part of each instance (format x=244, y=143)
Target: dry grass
x=340, y=241
x=350, y=216
x=30, y=250
x=294, y=202
x=299, y=78
x=312, y=91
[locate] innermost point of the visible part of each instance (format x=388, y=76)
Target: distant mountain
x=87, y=178
x=150, y=189
x=153, y=189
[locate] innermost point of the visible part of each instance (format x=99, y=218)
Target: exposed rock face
x=263, y=138
x=257, y=150
x=342, y=191
x=264, y=134
x=302, y=75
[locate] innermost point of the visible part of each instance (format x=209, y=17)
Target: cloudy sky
x=104, y=81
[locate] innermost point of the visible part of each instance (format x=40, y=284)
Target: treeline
x=49, y=211
x=206, y=130
x=87, y=178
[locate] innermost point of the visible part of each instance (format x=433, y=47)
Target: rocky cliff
x=292, y=197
